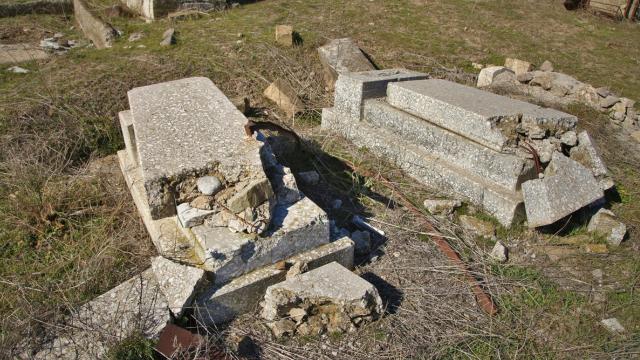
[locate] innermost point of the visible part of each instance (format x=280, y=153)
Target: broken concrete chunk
x=342, y=56
x=441, y=207
x=209, y=185
x=546, y=66
x=284, y=35
x=518, y=66
x=335, y=299
x=605, y=223
x=281, y=93
x=252, y=195
x=178, y=283
x=613, y=325
x=566, y=187
x=587, y=154
x=495, y=75
x=190, y=217
x=499, y=252
x=168, y=37
x=477, y=227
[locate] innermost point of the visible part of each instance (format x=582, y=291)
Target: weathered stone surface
x=499, y=252
x=209, y=185
x=505, y=205
x=281, y=93
x=344, y=299
x=609, y=101
x=477, y=227
x=168, y=37
x=342, y=56
x=613, y=325
x=587, y=154
x=352, y=89
x=100, y=33
x=546, y=66
x=178, y=283
x=566, y=187
x=252, y=195
x=495, y=75
x=525, y=77
x=484, y=117
x=163, y=113
x=506, y=170
x=242, y=295
x=294, y=228
x=190, y=217
x=136, y=306
x=605, y=223
x=17, y=53
x=284, y=35
x=518, y=66
x=441, y=206
x=542, y=79
x=569, y=138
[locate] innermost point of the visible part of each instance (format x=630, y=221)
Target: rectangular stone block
x=566, y=187
x=505, y=170
x=481, y=116
x=506, y=206
x=243, y=294
x=353, y=88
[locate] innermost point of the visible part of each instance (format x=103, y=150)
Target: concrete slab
x=506, y=170
x=503, y=204
x=353, y=88
x=481, y=116
x=566, y=187
x=99, y=32
x=243, y=294
x=178, y=283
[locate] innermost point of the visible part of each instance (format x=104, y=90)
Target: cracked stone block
x=481, y=116
x=353, y=88
x=190, y=217
x=179, y=283
x=186, y=129
x=495, y=75
x=605, y=223
x=566, y=187
x=220, y=304
x=342, y=56
x=285, y=96
x=588, y=154
x=335, y=298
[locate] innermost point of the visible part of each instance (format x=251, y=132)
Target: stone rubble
x=329, y=299
x=168, y=37
x=499, y=252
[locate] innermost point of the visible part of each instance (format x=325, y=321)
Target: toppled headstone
x=284, y=35
x=546, y=66
x=605, y=223
x=519, y=67
x=567, y=186
x=281, y=93
x=613, y=325
x=99, y=32
x=340, y=56
x=477, y=227
x=168, y=37
x=178, y=283
x=441, y=206
x=495, y=75
x=499, y=252
x=328, y=299
x=17, y=53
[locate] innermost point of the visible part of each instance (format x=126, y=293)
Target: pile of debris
x=560, y=88
x=504, y=155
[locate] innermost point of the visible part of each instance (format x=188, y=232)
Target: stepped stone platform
x=466, y=142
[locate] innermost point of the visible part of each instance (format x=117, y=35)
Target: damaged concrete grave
x=512, y=158
x=226, y=218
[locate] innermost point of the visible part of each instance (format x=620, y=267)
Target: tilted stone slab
x=353, y=88
x=342, y=56
x=136, y=306
x=506, y=206
x=185, y=128
x=243, y=294
x=481, y=116
x=99, y=32
x=295, y=228
x=505, y=170
x=588, y=154
x=179, y=283
x=566, y=187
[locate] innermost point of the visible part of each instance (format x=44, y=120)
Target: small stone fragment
x=518, y=66
x=499, y=252
x=309, y=177
x=168, y=37
x=605, y=223
x=609, y=101
x=525, y=77
x=546, y=66
x=209, y=185
x=297, y=314
x=282, y=327
x=284, y=35
x=281, y=93
x=190, y=217
x=478, y=227
x=569, y=138
x=297, y=268
x=362, y=240
x=441, y=207
x=494, y=75
x=603, y=92
x=17, y=70
x=613, y=325
x=202, y=202
x=252, y=195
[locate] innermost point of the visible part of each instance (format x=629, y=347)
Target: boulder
x=281, y=93
x=342, y=56
x=284, y=35
x=441, y=206
x=330, y=299
x=495, y=75
x=605, y=223
x=519, y=67
x=546, y=66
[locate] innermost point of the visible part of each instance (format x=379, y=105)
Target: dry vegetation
x=68, y=230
